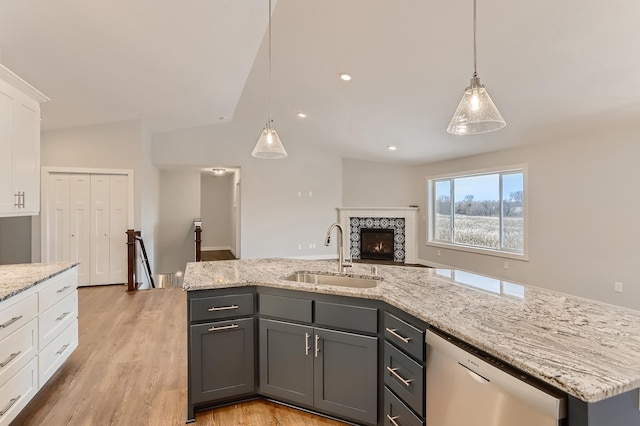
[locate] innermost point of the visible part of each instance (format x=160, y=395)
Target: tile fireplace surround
x=409, y=214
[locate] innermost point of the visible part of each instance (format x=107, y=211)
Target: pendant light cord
x=475, y=49
x=269, y=78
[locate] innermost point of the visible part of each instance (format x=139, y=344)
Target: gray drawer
x=397, y=413
x=221, y=307
x=285, y=307
x=405, y=336
x=406, y=379
x=349, y=317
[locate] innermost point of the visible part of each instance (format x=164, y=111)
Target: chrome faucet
x=341, y=263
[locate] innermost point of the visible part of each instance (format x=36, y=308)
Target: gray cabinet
x=404, y=371
x=221, y=349
x=328, y=370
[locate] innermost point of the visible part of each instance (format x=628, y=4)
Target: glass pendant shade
x=269, y=145
x=476, y=112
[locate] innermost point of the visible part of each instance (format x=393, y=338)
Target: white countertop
x=17, y=278
x=588, y=349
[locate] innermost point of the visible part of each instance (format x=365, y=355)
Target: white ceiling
x=552, y=67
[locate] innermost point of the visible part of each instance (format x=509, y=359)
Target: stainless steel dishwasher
x=465, y=388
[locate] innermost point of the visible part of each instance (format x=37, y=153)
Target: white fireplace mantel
x=409, y=214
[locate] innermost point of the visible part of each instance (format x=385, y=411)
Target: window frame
x=431, y=217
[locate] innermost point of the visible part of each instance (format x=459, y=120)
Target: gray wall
x=373, y=184
x=15, y=240
x=216, y=211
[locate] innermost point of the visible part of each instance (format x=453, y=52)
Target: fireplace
x=376, y=244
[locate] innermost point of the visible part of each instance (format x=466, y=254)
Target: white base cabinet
x=38, y=332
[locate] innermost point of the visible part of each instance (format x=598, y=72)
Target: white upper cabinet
x=19, y=146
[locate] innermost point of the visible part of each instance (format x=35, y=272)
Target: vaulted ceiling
x=553, y=68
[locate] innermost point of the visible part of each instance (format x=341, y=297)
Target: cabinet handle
x=62, y=316
x=8, y=407
x=23, y=202
x=62, y=349
x=406, y=382
x=393, y=420
x=306, y=343
x=16, y=197
x=394, y=334
x=11, y=321
x=222, y=308
x=224, y=327
x=11, y=357
x=317, y=345
x=63, y=289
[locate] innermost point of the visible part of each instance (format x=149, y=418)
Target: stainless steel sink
x=338, y=280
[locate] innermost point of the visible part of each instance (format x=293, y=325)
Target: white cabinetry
x=38, y=332
x=19, y=146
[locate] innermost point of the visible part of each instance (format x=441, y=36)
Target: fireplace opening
x=376, y=244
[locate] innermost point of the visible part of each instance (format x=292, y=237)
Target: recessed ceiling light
x=302, y=115
x=392, y=147
x=344, y=76
x=222, y=118
x=218, y=172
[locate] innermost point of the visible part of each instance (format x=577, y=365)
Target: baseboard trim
x=315, y=257
x=216, y=248
x=433, y=264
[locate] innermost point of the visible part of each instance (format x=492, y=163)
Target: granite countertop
x=588, y=349
x=17, y=278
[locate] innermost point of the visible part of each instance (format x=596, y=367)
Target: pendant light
x=476, y=112
x=269, y=145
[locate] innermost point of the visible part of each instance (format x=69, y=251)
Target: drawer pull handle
x=11, y=321
x=306, y=343
x=224, y=327
x=393, y=333
x=11, y=357
x=62, y=349
x=62, y=316
x=222, y=308
x=63, y=289
x=8, y=407
x=406, y=382
x=393, y=420
x=317, y=345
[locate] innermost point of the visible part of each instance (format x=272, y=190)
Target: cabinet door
x=221, y=360
x=80, y=225
x=118, y=211
x=286, y=361
x=26, y=154
x=7, y=196
x=99, y=229
x=346, y=375
x=58, y=219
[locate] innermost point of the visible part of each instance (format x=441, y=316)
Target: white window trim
x=481, y=250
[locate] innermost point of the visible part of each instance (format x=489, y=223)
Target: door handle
x=306, y=343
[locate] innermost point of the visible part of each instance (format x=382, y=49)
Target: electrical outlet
x=299, y=246
x=617, y=287
x=438, y=252
x=506, y=265
x=310, y=193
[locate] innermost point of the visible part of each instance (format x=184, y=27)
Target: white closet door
x=100, y=229
x=80, y=225
x=118, y=211
x=58, y=218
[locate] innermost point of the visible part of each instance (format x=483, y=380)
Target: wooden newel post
x=131, y=260
x=198, y=229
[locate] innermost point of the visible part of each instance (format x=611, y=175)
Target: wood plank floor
x=130, y=368
x=217, y=255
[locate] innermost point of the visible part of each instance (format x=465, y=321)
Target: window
x=480, y=211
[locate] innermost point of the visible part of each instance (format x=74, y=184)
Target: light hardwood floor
x=130, y=368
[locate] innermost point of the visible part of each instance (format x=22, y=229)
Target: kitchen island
x=587, y=349
x=38, y=329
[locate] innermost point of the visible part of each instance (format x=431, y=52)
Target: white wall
x=274, y=219
x=216, y=211
x=121, y=145
x=179, y=206
x=372, y=184
x=584, y=212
